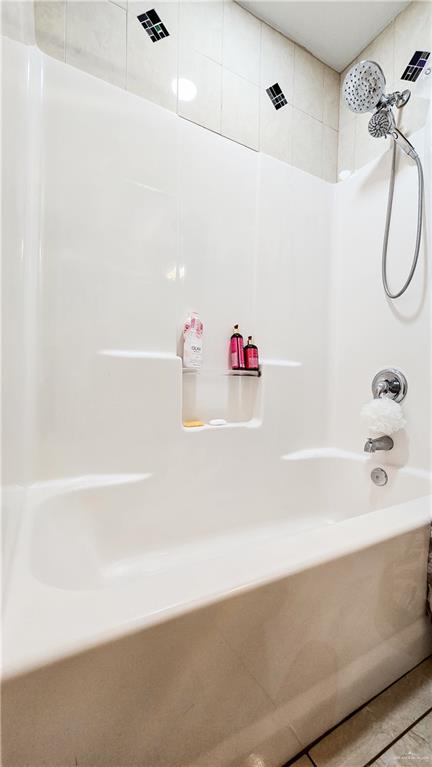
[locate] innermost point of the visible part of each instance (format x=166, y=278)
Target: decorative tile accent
x=276, y=96
x=152, y=24
x=277, y=61
x=152, y=70
x=415, y=66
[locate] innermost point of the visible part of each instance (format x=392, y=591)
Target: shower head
x=363, y=87
x=364, y=91
x=381, y=123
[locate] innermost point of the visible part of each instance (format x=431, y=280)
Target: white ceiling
x=333, y=30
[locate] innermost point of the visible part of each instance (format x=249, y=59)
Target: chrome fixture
x=380, y=443
x=364, y=91
x=379, y=477
x=390, y=383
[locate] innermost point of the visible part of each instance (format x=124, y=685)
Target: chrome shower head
x=382, y=123
x=363, y=87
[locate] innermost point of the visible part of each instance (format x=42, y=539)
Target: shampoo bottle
x=236, y=350
x=251, y=355
x=193, y=341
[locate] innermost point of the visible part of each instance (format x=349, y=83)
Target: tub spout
x=380, y=443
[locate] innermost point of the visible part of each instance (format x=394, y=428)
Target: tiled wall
x=392, y=49
x=226, y=58
x=221, y=56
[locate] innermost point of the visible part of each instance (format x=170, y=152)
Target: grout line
x=259, y=85
x=180, y=22
x=395, y=740
x=126, y=10
x=353, y=713
x=66, y=12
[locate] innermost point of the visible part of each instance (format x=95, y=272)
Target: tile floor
x=394, y=729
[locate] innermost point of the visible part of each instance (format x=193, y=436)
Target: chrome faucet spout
x=380, y=443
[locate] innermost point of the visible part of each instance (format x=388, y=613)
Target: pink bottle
x=236, y=350
x=251, y=355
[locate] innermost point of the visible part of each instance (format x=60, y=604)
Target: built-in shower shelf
x=217, y=372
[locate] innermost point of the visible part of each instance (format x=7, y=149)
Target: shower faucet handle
x=390, y=383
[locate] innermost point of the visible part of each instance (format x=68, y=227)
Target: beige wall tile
x=105, y=38
x=381, y=50
x=346, y=149
x=50, y=27
x=152, y=67
x=331, y=98
x=17, y=20
x=241, y=42
x=201, y=26
x=275, y=129
x=412, y=32
x=277, y=61
x=240, y=109
x=346, y=117
x=307, y=143
x=364, y=735
x=308, y=83
x=96, y=39
x=205, y=76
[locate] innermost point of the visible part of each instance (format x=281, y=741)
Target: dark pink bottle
x=236, y=350
x=251, y=355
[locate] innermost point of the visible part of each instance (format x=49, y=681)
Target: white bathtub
x=168, y=554
x=311, y=598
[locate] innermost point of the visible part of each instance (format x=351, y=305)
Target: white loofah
x=382, y=416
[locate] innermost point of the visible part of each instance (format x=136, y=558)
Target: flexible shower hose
x=388, y=220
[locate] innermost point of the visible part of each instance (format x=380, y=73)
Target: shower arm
x=396, y=99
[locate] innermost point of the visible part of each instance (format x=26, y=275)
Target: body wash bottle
x=251, y=355
x=193, y=341
x=236, y=350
